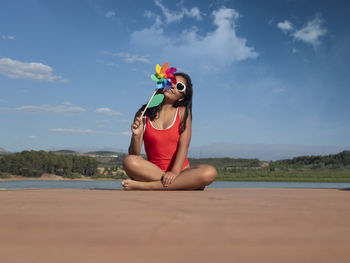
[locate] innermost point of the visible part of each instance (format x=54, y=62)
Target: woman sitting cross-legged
x=166, y=133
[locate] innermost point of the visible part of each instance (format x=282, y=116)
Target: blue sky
x=73, y=73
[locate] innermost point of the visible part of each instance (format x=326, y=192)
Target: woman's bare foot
x=133, y=185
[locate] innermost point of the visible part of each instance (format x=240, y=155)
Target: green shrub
x=72, y=176
x=36, y=173
x=4, y=175
x=25, y=172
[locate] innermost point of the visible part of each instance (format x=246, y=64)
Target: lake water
x=37, y=184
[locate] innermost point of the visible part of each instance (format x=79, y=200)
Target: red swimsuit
x=161, y=145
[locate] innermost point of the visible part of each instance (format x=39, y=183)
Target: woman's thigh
x=204, y=174
x=137, y=168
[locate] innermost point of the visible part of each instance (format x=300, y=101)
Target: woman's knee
x=208, y=174
x=131, y=162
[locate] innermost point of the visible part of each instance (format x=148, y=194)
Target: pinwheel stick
x=154, y=93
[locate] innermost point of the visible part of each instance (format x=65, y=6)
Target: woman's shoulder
x=182, y=110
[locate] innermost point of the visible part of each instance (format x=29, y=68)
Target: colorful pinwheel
x=164, y=77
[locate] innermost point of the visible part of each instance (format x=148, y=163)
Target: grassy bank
x=322, y=175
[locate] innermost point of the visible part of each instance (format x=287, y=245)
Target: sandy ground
x=215, y=225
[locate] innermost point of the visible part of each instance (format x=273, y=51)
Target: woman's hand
x=137, y=126
x=168, y=178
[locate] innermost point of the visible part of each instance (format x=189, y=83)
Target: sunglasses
x=180, y=87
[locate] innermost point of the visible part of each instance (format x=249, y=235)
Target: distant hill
x=338, y=160
x=98, y=153
x=263, y=152
x=89, y=150
x=3, y=151
x=107, y=153
x=266, y=152
x=66, y=152
x=226, y=162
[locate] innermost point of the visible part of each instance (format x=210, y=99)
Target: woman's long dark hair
x=187, y=102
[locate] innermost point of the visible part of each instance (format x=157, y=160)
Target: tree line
x=35, y=163
x=334, y=160
x=341, y=159
x=225, y=162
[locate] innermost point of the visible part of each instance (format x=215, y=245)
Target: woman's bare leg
x=139, y=169
x=189, y=179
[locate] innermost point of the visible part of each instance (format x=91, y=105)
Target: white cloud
x=87, y=131
x=107, y=111
x=103, y=121
x=171, y=16
x=194, y=12
x=294, y=50
x=149, y=14
x=216, y=48
x=24, y=70
x=130, y=58
x=127, y=57
x=32, y=137
x=64, y=108
x=106, y=52
x=73, y=130
x=312, y=32
x=285, y=26
x=6, y=37
x=278, y=89
x=126, y=121
x=110, y=14
x=107, y=63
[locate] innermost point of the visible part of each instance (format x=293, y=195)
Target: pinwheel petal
x=168, y=85
x=158, y=69
x=173, y=80
x=157, y=99
x=154, y=78
x=170, y=71
x=164, y=68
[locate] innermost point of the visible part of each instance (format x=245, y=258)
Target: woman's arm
x=137, y=135
x=184, y=144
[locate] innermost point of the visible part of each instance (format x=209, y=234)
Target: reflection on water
x=116, y=185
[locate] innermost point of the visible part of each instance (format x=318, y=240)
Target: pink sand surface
x=214, y=225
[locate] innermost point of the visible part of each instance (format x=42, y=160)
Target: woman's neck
x=167, y=106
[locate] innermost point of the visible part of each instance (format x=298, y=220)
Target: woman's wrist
x=136, y=136
x=175, y=172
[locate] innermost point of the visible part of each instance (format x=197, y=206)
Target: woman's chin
x=169, y=97
x=168, y=94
